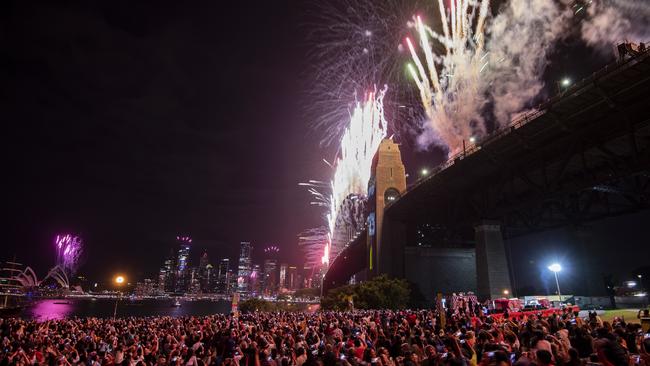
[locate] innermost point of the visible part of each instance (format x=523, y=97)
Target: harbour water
x=45, y=309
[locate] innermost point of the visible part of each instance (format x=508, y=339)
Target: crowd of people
x=352, y=338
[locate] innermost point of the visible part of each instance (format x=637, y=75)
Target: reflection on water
x=47, y=309
x=103, y=308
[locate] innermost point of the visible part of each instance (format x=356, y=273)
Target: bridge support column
x=492, y=270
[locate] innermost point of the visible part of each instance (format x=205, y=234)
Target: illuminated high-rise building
x=307, y=274
x=292, y=278
x=223, y=280
x=244, y=269
x=167, y=274
x=254, y=280
x=182, y=264
x=204, y=273
x=211, y=279
x=283, y=276
x=270, y=283
x=232, y=281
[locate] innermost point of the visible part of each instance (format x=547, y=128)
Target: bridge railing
x=524, y=119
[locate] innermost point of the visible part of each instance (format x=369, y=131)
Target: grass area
x=628, y=314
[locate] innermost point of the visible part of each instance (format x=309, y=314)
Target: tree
x=380, y=292
x=254, y=304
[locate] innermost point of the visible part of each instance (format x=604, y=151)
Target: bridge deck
x=594, y=133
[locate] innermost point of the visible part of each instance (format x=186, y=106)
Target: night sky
x=132, y=122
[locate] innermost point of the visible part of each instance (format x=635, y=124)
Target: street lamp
x=424, y=172
x=555, y=268
x=506, y=292
x=119, y=280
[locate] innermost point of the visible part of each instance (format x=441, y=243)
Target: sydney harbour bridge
x=582, y=156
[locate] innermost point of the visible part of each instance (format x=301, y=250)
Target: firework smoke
x=519, y=41
x=610, y=22
x=69, y=249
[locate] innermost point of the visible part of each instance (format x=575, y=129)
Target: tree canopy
x=380, y=292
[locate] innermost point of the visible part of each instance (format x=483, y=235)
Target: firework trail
x=345, y=203
x=69, y=249
x=313, y=242
x=484, y=62
x=449, y=95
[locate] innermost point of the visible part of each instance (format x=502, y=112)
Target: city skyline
x=180, y=274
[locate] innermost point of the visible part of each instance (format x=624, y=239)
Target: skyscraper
x=204, y=272
x=167, y=273
x=292, y=278
x=244, y=268
x=232, y=281
x=255, y=280
x=307, y=274
x=182, y=264
x=270, y=278
x=223, y=278
x=283, y=276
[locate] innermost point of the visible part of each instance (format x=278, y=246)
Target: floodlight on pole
x=555, y=268
x=119, y=281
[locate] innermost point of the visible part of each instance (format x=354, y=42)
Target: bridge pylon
x=492, y=267
x=387, y=184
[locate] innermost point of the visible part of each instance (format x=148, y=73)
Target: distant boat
x=62, y=302
x=176, y=303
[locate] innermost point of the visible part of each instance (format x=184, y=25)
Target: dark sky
x=131, y=122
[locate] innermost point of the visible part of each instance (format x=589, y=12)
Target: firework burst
x=345, y=201
x=69, y=249
x=356, y=45
x=449, y=95
x=478, y=73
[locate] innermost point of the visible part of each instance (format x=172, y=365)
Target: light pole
x=119, y=280
x=563, y=84
x=555, y=268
